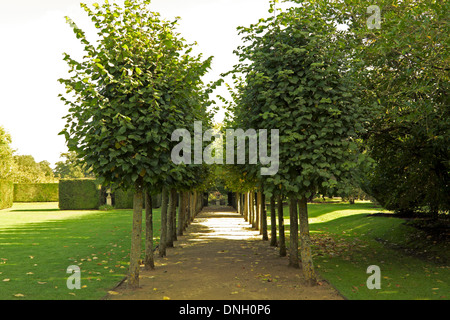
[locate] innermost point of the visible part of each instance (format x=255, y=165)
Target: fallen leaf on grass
x=19, y=295
x=113, y=293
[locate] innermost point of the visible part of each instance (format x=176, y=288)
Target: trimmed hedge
x=124, y=199
x=36, y=192
x=6, y=194
x=79, y=194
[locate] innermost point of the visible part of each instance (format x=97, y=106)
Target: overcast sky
x=34, y=35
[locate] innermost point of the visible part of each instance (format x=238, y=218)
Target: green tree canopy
x=6, y=153
x=132, y=90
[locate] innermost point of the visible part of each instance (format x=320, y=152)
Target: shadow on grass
x=34, y=210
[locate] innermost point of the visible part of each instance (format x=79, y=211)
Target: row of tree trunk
x=252, y=206
x=189, y=204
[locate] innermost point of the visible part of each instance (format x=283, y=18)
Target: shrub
x=123, y=199
x=36, y=192
x=79, y=194
x=6, y=194
x=106, y=207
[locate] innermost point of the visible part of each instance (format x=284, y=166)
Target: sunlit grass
x=347, y=239
x=38, y=242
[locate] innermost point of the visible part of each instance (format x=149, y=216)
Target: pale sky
x=34, y=35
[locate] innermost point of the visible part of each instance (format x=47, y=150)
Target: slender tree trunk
x=245, y=204
x=181, y=209
x=192, y=207
x=136, y=237
x=188, y=210
x=237, y=202
x=174, y=217
x=163, y=236
x=149, y=259
x=264, y=217
x=273, y=223
x=305, y=240
x=281, y=233
x=252, y=204
x=251, y=207
x=257, y=215
x=293, y=243
x=170, y=215
x=259, y=212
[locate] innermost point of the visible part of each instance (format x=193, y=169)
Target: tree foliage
x=404, y=76
x=71, y=167
x=6, y=153
x=294, y=76
x=131, y=92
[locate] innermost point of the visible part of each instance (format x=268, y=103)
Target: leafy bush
x=105, y=207
x=124, y=199
x=36, y=192
x=6, y=194
x=79, y=194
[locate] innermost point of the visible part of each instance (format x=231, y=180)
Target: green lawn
x=349, y=238
x=38, y=242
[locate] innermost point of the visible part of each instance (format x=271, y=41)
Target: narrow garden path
x=221, y=257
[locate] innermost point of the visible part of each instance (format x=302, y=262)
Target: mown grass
x=347, y=239
x=38, y=242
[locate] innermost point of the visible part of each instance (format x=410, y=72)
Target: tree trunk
x=170, y=216
x=307, y=262
x=257, y=211
x=293, y=243
x=149, y=259
x=282, y=242
x=135, y=253
x=163, y=236
x=273, y=223
x=181, y=209
x=264, y=217
x=245, y=204
x=187, y=217
x=174, y=217
x=252, y=209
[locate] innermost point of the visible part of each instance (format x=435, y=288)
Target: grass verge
x=38, y=242
x=347, y=239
